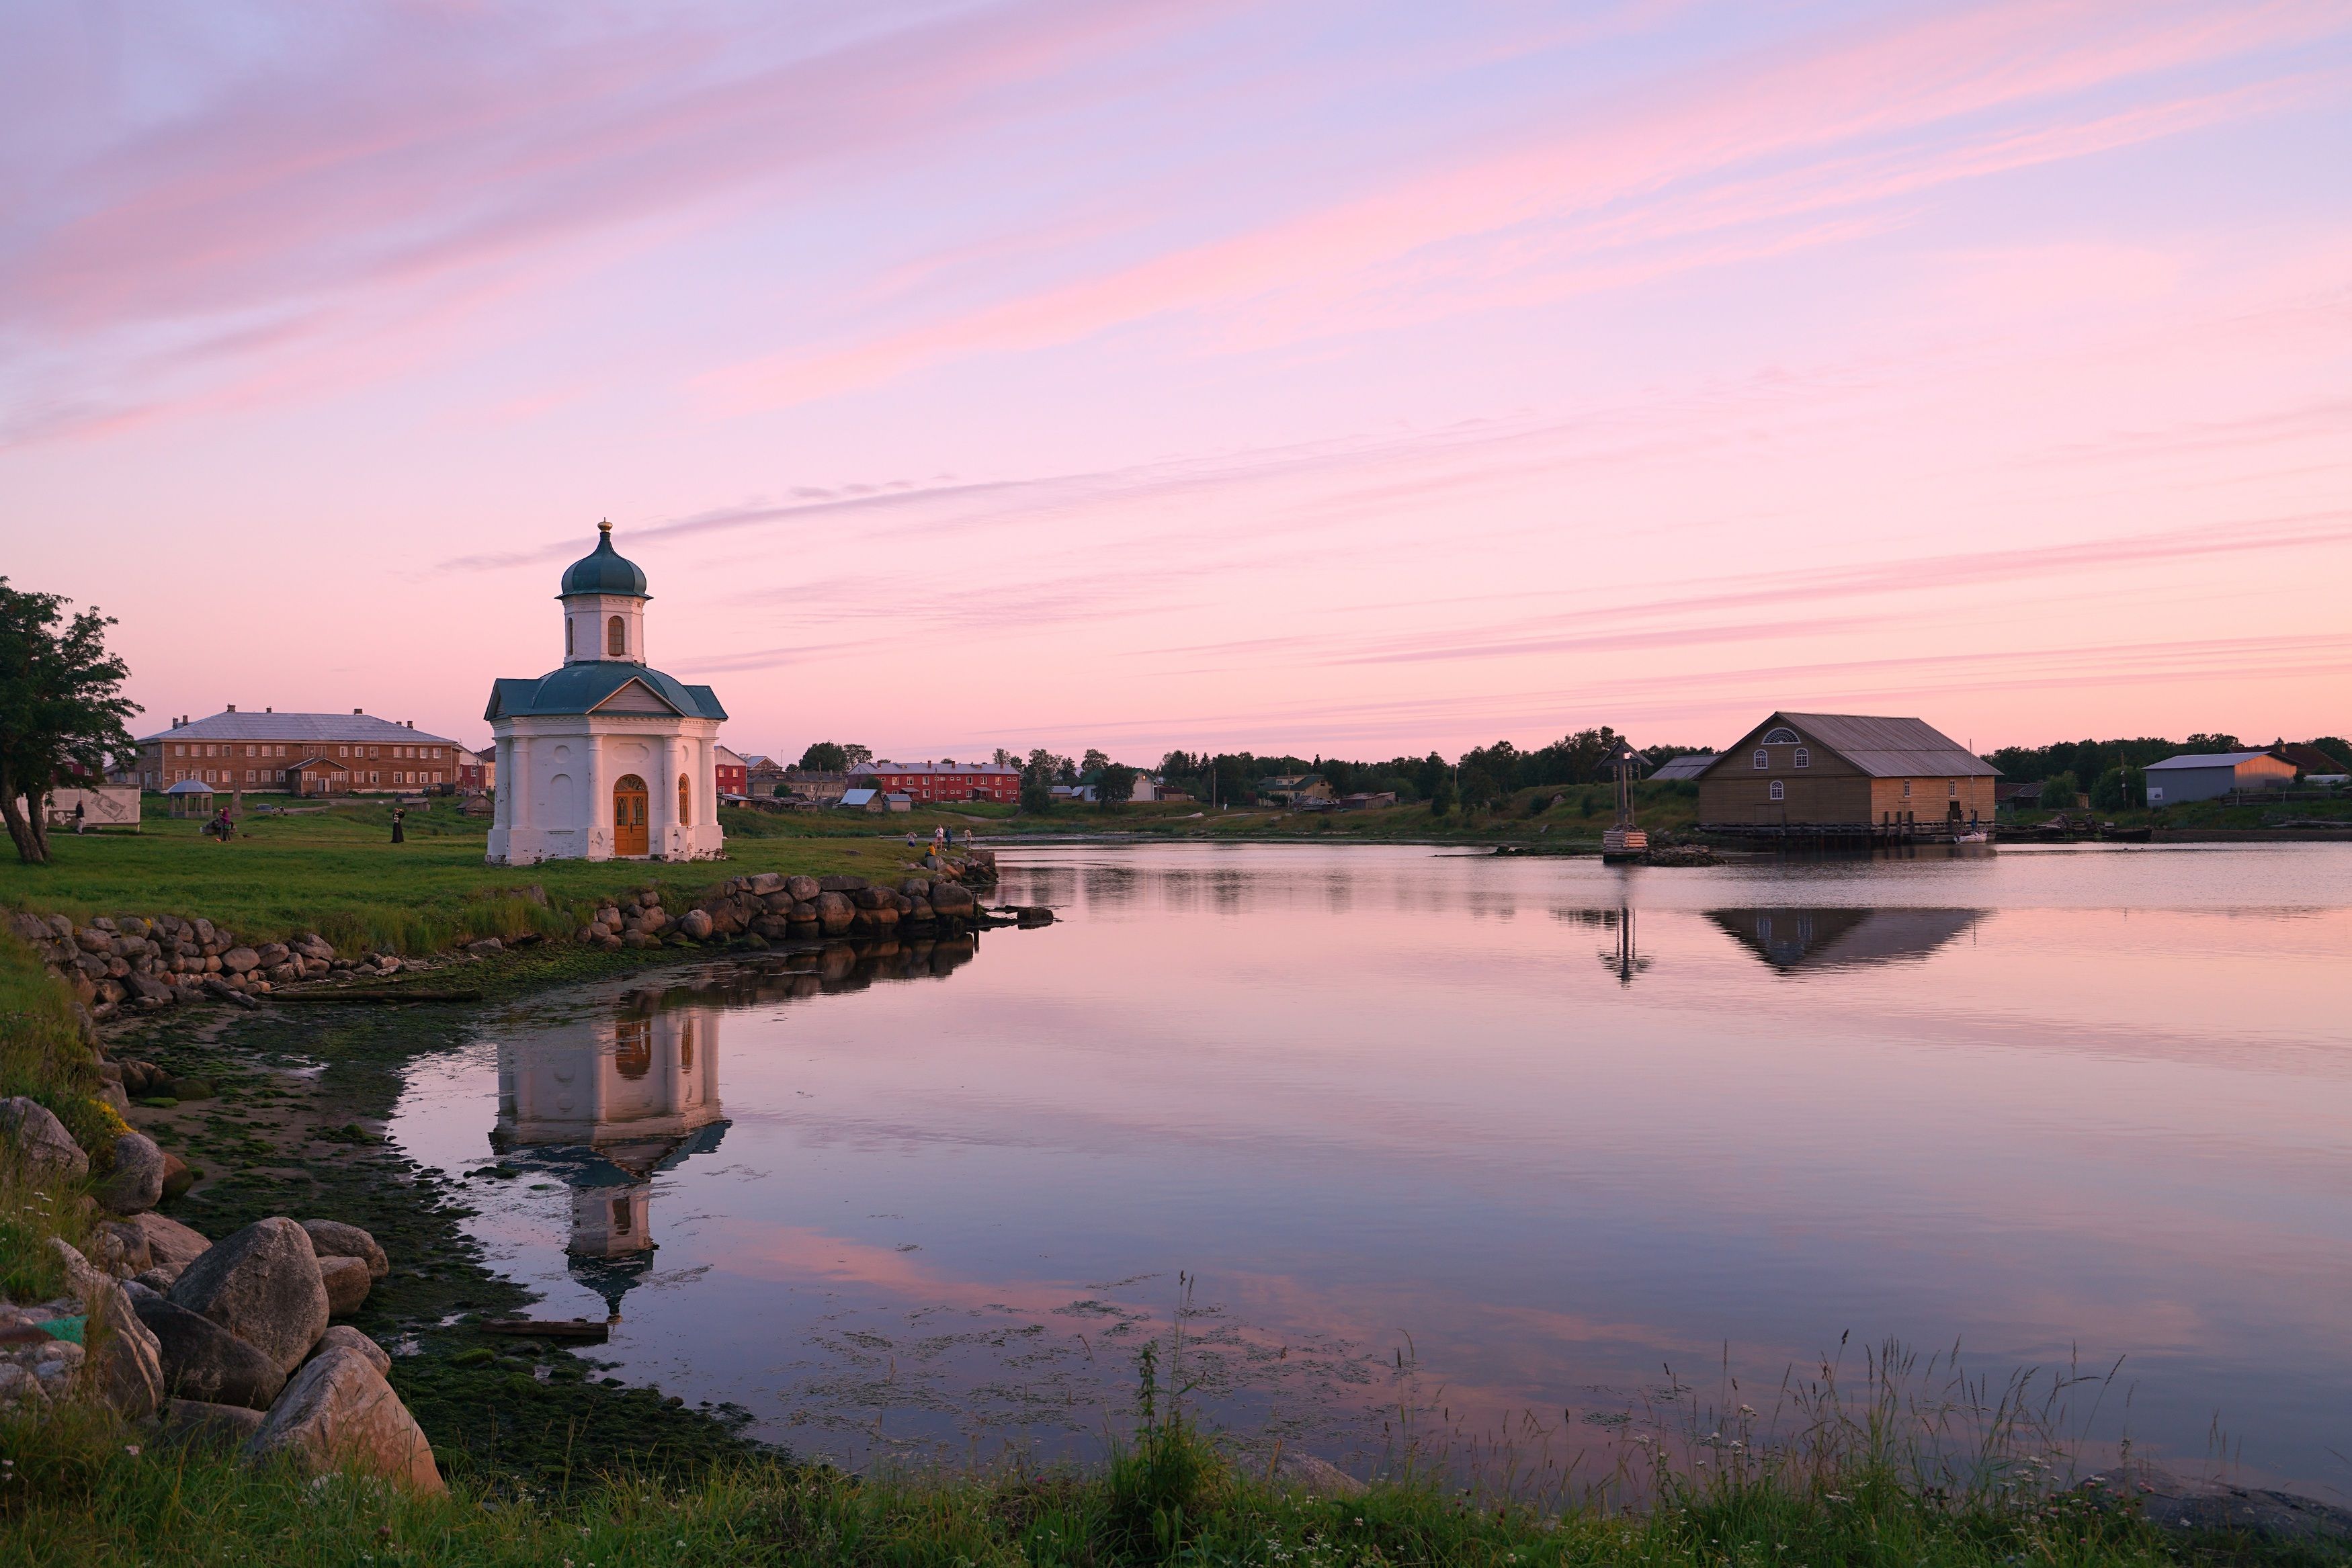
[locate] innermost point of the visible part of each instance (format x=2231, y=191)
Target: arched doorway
x=629, y=816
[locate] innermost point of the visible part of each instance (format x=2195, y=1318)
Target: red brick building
x=927, y=781
x=267, y=751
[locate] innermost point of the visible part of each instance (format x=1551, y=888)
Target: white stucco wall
x=557, y=774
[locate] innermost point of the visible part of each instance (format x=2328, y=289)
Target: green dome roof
x=605, y=570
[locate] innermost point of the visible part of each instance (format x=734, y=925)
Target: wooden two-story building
x=1830, y=775
x=304, y=753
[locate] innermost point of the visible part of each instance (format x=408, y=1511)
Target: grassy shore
x=1848, y=1495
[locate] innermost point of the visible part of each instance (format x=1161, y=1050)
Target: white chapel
x=606, y=758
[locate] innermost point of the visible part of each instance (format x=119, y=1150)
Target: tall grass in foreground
x=78, y=1492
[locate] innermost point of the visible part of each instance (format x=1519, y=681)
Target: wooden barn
x=1835, y=775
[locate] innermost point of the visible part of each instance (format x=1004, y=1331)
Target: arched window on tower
x=568, y=638
x=685, y=801
x=617, y=637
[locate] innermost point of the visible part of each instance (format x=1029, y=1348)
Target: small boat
x=1978, y=837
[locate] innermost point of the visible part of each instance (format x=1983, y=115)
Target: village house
x=1844, y=774
x=2206, y=776
x=478, y=771
x=927, y=781
x=310, y=753
x=733, y=773
x=2315, y=766
x=1294, y=789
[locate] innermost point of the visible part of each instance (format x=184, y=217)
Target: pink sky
x=1357, y=377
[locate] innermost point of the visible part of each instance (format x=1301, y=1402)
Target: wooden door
x=629, y=816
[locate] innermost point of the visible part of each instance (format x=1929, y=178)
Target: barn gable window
x=1780, y=734
x=617, y=637
x=1779, y=790
x=1763, y=757
x=1805, y=757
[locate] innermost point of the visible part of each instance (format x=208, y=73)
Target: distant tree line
x=2113, y=773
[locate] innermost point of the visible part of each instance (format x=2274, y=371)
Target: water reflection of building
x=1842, y=938
x=605, y=1105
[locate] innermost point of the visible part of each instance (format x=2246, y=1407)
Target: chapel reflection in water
x=607, y=1102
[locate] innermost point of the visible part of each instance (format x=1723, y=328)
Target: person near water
x=399, y=836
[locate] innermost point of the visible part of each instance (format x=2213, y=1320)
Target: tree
x=855, y=757
x=2209, y=743
x=1441, y=800
x=1113, y=785
x=2058, y=794
x=825, y=756
x=1092, y=763
x=2119, y=788
x=1037, y=782
x=61, y=707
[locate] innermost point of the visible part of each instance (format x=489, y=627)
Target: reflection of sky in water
x=1375, y=1098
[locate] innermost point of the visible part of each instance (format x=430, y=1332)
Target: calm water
x=1481, y=1135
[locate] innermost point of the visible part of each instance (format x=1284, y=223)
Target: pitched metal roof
x=1881, y=747
x=2208, y=759
x=912, y=769
x=303, y=726
x=190, y=786
x=579, y=689
x=1688, y=765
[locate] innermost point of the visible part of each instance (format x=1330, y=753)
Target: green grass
x=338, y=874
x=43, y=1057
x=1842, y=1494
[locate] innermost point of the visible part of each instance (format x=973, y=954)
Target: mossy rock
x=160, y=1102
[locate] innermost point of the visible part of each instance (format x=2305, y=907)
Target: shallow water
x=1489, y=1141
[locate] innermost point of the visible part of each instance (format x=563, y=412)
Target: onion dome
x=605, y=570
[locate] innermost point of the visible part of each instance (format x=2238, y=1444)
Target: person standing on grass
x=81, y=817
x=221, y=826
x=398, y=835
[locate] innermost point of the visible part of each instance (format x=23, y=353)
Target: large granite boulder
x=343, y=1336
x=803, y=889
x=333, y=1238
x=954, y=900
x=834, y=912
x=203, y=1361
x=339, y=1411
x=135, y=1184
x=171, y=1246
x=123, y=1364
x=347, y=1284
x=192, y=1421
x=263, y=1285
x=694, y=924
x=40, y=1140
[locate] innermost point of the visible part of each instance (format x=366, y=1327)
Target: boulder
x=952, y=901
x=239, y=960
x=123, y=1364
x=194, y=1421
x=766, y=883
x=696, y=924
x=82, y=1280
x=177, y=1177
x=340, y=1411
x=915, y=887
x=485, y=947
x=873, y=898
x=347, y=1284
x=202, y=1360
x=333, y=1238
x=135, y=1184
x=803, y=889
x=41, y=1140
x=834, y=912
x=119, y=1249
x=263, y=1285
x=170, y=1244
x=272, y=953
x=840, y=883
x=343, y=1336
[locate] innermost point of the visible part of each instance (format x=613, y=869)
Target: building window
x=617, y=637
x=685, y=801
x=1952, y=789
x=1779, y=790
x=1763, y=757
x=1907, y=788
x=1805, y=757
x=1781, y=736
x=567, y=637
